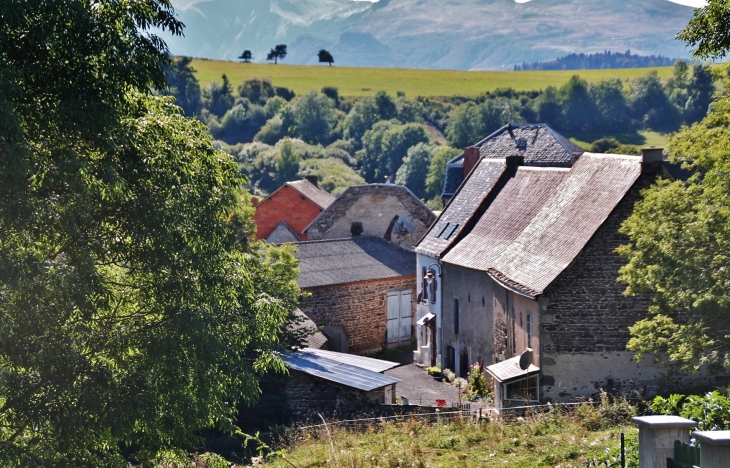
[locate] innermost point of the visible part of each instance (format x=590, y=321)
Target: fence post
x=656, y=438
x=714, y=448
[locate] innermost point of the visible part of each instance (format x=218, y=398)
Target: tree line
x=606, y=59
x=280, y=51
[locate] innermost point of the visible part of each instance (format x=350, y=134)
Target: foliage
x=287, y=162
x=610, y=411
x=213, y=460
x=707, y=32
x=434, y=370
x=384, y=147
x=415, y=166
x=437, y=170
x=183, y=85
x=549, y=439
x=478, y=386
x=334, y=175
x=711, y=411
x=325, y=57
x=449, y=375
x=246, y=56
x=277, y=53
x=611, y=106
x=472, y=122
x=650, y=104
x=599, y=60
x=578, y=108
x=678, y=234
x=240, y=123
x=129, y=320
x=217, y=97
x=363, y=115
x=313, y=117
x=611, y=458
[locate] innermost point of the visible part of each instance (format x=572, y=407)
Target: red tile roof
x=542, y=219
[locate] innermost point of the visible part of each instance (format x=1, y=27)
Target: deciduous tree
x=325, y=57
x=246, y=56
x=277, y=53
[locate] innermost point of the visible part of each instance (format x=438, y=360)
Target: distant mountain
x=455, y=34
x=605, y=59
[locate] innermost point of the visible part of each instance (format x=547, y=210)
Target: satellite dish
x=526, y=359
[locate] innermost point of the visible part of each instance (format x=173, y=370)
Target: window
x=456, y=316
x=450, y=358
x=442, y=229
x=433, y=287
x=424, y=284
x=529, y=330
x=523, y=390
x=451, y=231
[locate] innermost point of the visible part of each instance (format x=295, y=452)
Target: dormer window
x=521, y=144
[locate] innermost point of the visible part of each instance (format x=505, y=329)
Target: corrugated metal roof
x=541, y=146
x=462, y=207
x=371, y=364
x=509, y=370
x=334, y=371
x=339, y=261
x=533, y=231
x=318, y=196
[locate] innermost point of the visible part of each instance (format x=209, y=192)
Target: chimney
x=471, y=157
x=312, y=180
x=514, y=161
x=254, y=201
x=652, y=159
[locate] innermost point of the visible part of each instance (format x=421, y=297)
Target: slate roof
x=537, y=143
x=509, y=370
x=316, y=339
x=375, y=365
x=341, y=261
x=339, y=372
x=543, y=218
x=318, y=196
x=472, y=193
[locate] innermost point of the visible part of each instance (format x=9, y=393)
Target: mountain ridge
x=438, y=34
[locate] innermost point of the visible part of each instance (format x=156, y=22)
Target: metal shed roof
x=338, y=372
x=375, y=365
x=509, y=370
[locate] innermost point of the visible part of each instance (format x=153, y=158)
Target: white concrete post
x=714, y=448
x=656, y=438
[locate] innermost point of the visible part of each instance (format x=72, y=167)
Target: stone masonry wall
x=585, y=319
x=360, y=308
x=306, y=396
x=375, y=206
x=286, y=205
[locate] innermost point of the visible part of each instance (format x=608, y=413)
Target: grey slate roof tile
x=318, y=196
x=341, y=261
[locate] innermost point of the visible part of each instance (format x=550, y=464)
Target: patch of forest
x=277, y=136
x=606, y=59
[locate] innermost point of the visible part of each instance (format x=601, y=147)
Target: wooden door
x=399, y=318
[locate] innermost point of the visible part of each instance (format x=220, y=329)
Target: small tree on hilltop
x=325, y=57
x=246, y=56
x=278, y=52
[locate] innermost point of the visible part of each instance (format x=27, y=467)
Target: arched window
x=529, y=330
x=433, y=287
x=456, y=316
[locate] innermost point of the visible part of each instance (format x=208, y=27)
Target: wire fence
x=374, y=421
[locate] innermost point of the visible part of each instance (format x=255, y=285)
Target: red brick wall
x=358, y=307
x=288, y=205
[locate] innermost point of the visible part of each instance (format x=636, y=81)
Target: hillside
x=458, y=34
x=353, y=81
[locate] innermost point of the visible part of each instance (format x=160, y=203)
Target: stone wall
x=585, y=318
x=360, y=308
x=376, y=206
x=306, y=396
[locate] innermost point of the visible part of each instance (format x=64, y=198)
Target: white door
x=399, y=318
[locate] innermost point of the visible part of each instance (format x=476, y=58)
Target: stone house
x=529, y=272
x=362, y=292
x=283, y=215
x=540, y=147
x=388, y=211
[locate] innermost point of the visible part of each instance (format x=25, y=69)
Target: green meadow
x=355, y=81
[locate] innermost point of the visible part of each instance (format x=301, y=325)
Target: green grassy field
x=353, y=81
x=638, y=139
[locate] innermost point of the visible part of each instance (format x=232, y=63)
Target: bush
x=449, y=376
x=435, y=371
x=478, y=385
x=711, y=411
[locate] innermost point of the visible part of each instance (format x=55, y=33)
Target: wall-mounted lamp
x=429, y=276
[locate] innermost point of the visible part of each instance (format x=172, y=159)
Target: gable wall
x=286, y=205
x=585, y=319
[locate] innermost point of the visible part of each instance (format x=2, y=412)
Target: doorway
x=400, y=328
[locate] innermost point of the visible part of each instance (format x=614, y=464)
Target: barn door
x=399, y=318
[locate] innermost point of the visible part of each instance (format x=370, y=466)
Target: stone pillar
x=656, y=438
x=714, y=448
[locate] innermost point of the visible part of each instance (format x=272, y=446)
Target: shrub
x=711, y=411
x=435, y=371
x=477, y=383
x=449, y=376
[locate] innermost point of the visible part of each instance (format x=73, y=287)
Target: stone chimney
x=254, y=201
x=471, y=157
x=313, y=180
x=514, y=160
x=652, y=159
